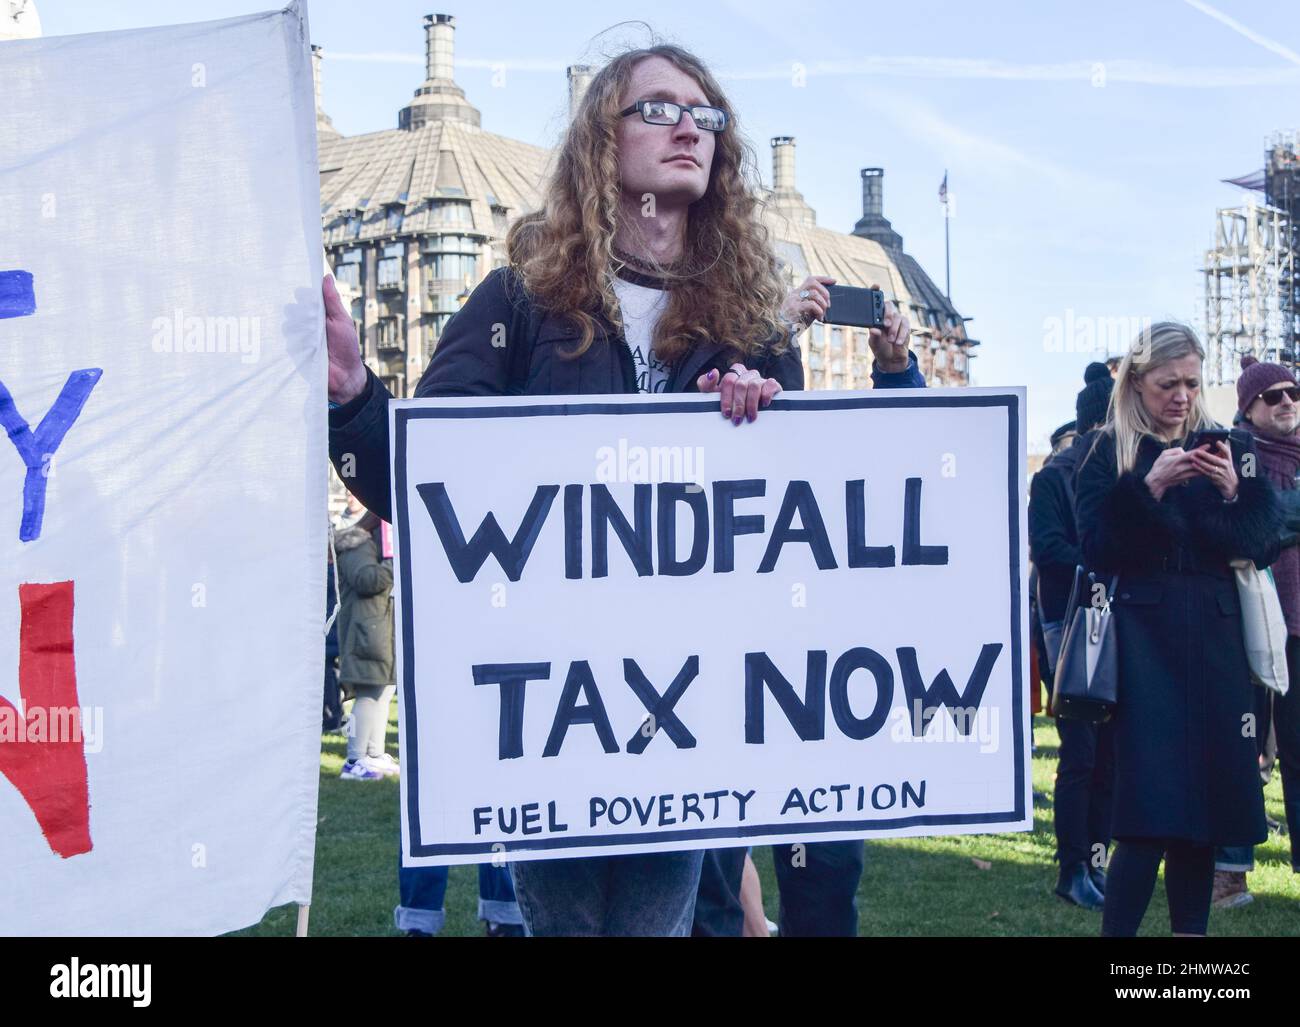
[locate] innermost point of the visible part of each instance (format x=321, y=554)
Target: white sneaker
x=357, y=770
x=382, y=764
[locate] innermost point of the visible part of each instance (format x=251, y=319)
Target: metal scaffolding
x=1248, y=275
x=1282, y=190
x=1252, y=295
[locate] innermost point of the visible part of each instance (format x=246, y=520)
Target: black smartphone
x=856, y=307
x=1208, y=436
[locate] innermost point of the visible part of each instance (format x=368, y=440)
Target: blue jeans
x=1241, y=858
x=422, y=892
x=644, y=895
x=718, y=912
x=819, y=888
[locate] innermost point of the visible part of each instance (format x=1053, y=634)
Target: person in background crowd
x=1267, y=396
x=1082, y=802
x=719, y=912
x=422, y=892
x=1112, y=366
x=332, y=707
x=817, y=881
x=685, y=301
x=365, y=626
x=757, y=925
x=1167, y=519
x=1061, y=439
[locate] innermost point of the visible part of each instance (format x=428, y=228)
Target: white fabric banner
x=162, y=478
x=627, y=625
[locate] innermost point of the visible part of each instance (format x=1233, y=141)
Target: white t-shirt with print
x=641, y=307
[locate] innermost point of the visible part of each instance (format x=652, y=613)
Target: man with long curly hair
x=649, y=270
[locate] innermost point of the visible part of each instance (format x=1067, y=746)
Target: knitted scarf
x=1279, y=457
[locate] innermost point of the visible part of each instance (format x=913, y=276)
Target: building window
x=451, y=244
x=453, y=267
x=389, y=273
x=395, y=214
x=837, y=340
x=349, y=275
x=390, y=333
x=451, y=212
x=437, y=323
x=500, y=219
x=389, y=270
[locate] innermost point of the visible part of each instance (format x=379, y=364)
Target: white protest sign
x=162, y=478
x=627, y=625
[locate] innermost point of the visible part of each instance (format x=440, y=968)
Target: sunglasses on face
x=1274, y=396
x=663, y=112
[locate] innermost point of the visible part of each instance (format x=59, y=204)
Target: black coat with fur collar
x=1185, y=745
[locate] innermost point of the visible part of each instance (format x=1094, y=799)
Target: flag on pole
x=943, y=189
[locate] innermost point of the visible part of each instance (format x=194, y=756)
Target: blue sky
x=1084, y=143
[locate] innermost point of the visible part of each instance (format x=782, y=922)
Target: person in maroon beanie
x=1268, y=398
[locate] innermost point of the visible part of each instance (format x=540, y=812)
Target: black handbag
x=1086, y=686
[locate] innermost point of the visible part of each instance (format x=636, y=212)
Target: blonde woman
x=1167, y=518
x=647, y=270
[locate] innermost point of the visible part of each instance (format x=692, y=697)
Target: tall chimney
x=783, y=164
x=439, y=48
x=873, y=188
x=580, y=76
x=786, y=199
x=873, y=223
x=324, y=126
x=439, y=98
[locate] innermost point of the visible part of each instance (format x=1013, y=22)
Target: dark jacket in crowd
x=365, y=619
x=1186, y=761
x=1053, y=540
x=479, y=354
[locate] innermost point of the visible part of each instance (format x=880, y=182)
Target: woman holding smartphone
x=647, y=270
x=1166, y=515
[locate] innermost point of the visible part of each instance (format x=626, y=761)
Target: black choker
x=657, y=270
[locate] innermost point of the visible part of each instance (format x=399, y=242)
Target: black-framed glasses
x=1274, y=396
x=665, y=112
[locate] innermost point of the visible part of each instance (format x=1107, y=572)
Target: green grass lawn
x=986, y=885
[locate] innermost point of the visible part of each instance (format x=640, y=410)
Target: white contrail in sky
x=1135, y=72
x=1239, y=28
x=510, y=64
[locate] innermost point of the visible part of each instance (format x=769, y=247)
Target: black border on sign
x=411, y=753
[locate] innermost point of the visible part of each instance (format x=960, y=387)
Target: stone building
x=414, y=217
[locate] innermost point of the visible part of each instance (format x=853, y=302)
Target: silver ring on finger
x=804, y=294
